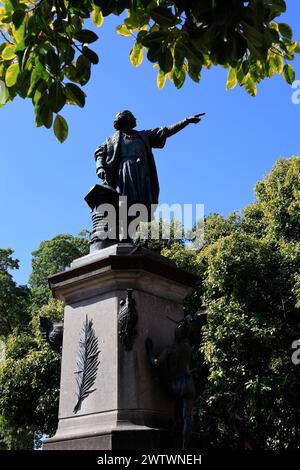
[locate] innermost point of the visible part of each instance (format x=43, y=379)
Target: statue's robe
x=108, y=157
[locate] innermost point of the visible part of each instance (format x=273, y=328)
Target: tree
x=248, y=393
x=278, y=194
x=46, y=54
x=14, y=300
x=51, y=257
x=30, y=371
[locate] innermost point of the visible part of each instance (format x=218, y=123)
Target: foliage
x=27, y=402
x=30, y=372
x=51, y=257
x=14, y=300
x=46, y=52
x=249, y=270
x=279, y=194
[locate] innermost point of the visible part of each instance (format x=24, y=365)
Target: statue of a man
x=125, y=161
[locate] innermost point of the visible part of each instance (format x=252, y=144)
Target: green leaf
x=57, y=97
x=86, y=36
x=83, y=70
x=194, y=71
x=165, y=59
x=123, y=30
x=285, y=30
x=289, y=74
x=97, y=16
x=60, y=128
x=253, y=35
x=178, y=76
x=9, y=52
x=231, y=79
x=38, y=72
x=107, y=6
x=91, y=55
x=161, y=79
x=136, y=54
x=153, y=53
x=45, y=115
x=18, y=34
x=163, y=15
x=40, y=92
x=70, y=72
x=75, y=95
x=154, y=39
x=121, y=5
x=52, y=62
x=277, y=63
x=18, y=18
x=12, y=73
x=250, y=86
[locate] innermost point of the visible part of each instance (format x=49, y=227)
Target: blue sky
x=216, y=163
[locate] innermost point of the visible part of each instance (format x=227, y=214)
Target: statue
x=173, y=363
x=125, y=161
x=52, y=332
x=127, y=321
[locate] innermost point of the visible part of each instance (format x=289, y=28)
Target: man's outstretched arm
x=173, y=129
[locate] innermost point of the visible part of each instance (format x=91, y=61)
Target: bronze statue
x=52, y=332
x=175, y=376
x=127, y=321
x=125, y=161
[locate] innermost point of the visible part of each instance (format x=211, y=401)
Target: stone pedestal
x=127, y=409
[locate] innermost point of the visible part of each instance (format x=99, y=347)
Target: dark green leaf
x=107, y=6
x=18, y=18
x=60, y=128
x=194, y=72
x=57, y=97
x=165, y=60
x=86, y=36
x=154, y=39
x=45, y=115
x=121, y=5
x=153, y=53
x=75, y=94
x=163, y=15
x=53, y=62
x=285, y=30
x=83, y=70
x=178, y=77
x=289, y=74
x=91, y=55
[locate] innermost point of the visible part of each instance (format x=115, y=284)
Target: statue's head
x=124, y=120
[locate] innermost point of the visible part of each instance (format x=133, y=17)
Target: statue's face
x=129, y=121
x=125, y=120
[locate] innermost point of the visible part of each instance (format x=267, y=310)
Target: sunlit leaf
x=161, y=79
x=12, y=74
x=136, y=54
x=231, y=79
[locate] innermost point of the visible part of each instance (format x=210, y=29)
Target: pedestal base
x=130, y=439
x=125, y=406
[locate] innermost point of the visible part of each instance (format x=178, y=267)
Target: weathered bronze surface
x=173, y=365
x=125, y=160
